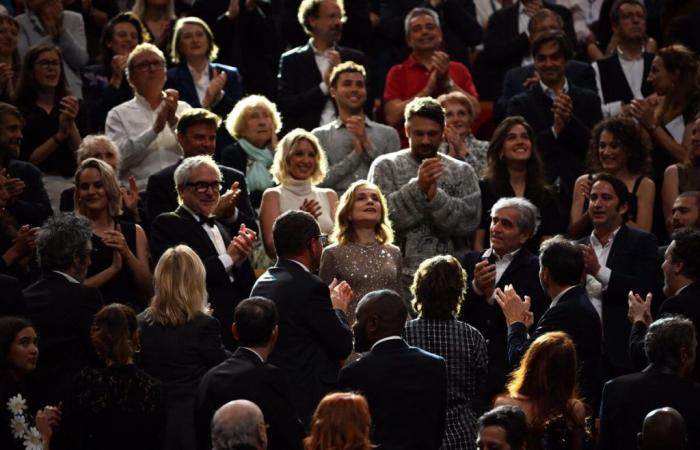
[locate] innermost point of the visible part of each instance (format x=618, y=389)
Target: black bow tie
x=209, y=220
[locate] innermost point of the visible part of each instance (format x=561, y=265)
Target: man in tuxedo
x=238, y=424
x=681, y=270
x=622, y=76
x=560, y=113
x=229, y=274
x=618, y=259
x=247, y=375
x=196, y=134
x=507, y=43
x=671, y=347
x=405, y=387
x=61, y=307
x=303, y=81
x=314, y=334
x=520, y=78
x=561, y=271
x=506, y=262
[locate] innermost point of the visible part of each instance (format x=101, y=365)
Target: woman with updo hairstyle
x=438, y=288
x=341, y=422
x=118, y=406
x=180, y=341
x=544, y=387
x=362, y=252
x=620, y=147
x=299, y=165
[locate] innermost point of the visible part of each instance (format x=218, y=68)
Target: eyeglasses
x=149, y=65
x=203, y=186
x=46, y=63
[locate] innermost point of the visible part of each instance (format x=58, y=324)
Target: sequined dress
x=365, y=267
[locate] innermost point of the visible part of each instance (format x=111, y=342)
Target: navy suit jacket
x=629, y=398
x=578, y=73
x=523, y=274
x=406, y=389
x=180, y=79
x=313, y=337
x=245, y=376
x=575, y=315
x=300, y=98
x=180, y=227
x=635, y=267
x=162, y=195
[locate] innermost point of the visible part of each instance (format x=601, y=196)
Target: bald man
x=663, y=429
x=238, y=424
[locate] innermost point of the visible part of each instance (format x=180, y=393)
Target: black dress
x=11, y=389
x=122, y=287
x=115, y=408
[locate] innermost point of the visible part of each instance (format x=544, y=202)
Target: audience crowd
x=349, y=224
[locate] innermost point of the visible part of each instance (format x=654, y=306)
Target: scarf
x=258, y=174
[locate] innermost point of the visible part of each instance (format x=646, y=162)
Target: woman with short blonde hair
x=180, y=341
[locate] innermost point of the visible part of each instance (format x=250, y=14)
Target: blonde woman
x=119, y=259
x=362, y=252
x=179, y=340
x=159, y=17
x=299, y=165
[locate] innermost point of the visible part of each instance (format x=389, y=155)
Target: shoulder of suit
x=230, y=171
x=296, y=51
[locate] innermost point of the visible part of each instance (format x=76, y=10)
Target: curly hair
x=438, y=287
x=634, y=142
x=343, y=231
x=341, y=422
x=678, y=58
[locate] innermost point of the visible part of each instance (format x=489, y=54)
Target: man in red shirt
x=427, y=72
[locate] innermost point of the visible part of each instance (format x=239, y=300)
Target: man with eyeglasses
x=196, y=134
x=144, y=127
x=224, y=254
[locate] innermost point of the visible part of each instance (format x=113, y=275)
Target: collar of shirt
x=411, y=61
x=623, y=55
x=550, y=93
x=555, y=300
x=254, y=352
x=338, y=123
x=596, y=243
x=300, y=264
x=508, y=257
x=682, y=288
x=388, y=338
x=317, y=51
x=196, y=216
x=68, y=277
x=141, y=100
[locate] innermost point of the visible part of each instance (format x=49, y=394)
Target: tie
x=209, y=220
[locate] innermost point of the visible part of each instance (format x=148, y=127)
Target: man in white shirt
x=144, y=127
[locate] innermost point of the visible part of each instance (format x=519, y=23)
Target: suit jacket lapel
x=194, y=228
x=310, y=67
x=187, y=85
x=618, y=246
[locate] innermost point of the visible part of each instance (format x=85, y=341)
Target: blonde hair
x=344, y=232
x=141, y=48
x=180, y=287
x=109, y=181
x=236, y=120
x=175, y=55
x=287, y=145
x=139, y=9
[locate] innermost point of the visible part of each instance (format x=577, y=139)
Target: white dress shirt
x=202, y=83
x=322, y=63
x=633, y=68
x=218, y=241
x=501, y=263
x=388, y=338
x=598, y=283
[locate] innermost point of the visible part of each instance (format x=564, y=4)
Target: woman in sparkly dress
x=362, y=253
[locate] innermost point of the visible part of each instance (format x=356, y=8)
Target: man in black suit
x=562, y=266
x=303, y=84
x=229, y=274
x=561, y=113
x=246, y=375
x=314, y=332
x=507, y=261
x=670, y=346
x=61, y=308
x=518, y=79
x=406, y=387
x=681, y=269
x=622, y=76
x=618, y=259
x=196, y=134
x=663, y=429
x=507, y=44
x=238, y=425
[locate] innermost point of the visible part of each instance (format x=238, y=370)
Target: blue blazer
x=180, y=78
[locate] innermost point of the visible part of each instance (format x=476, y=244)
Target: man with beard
x=685, y=211
x=681, y=269
x=352, y=141
x=303, y=93
x=405, y=387
x=434, y=199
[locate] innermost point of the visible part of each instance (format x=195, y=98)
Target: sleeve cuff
x=603, y=276
x=227, y=261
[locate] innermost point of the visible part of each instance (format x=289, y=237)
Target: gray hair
x=529, y=218
x=93, y=141
x=61, y=239
x=236, y=425
x=419, y=11
x=183, y=171
x=665, y=339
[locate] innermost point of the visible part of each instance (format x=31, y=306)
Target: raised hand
x=333, y=60
x=590, y=259
x=241, y=245
x=639, y=310
x=429, y=172
x=228, y=201
x=485, y=277
x=130, y=196
x=341, y=295
x=312, y=207
x=215, y=89
x=514, y=308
